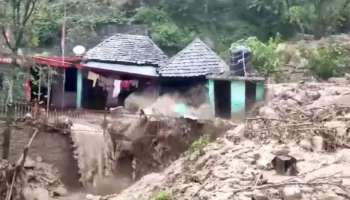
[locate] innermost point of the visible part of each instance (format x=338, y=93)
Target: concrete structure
x=232, y=96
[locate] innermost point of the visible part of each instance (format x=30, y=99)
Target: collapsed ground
x=97, y=154
x=308, y=122
x=305, y=121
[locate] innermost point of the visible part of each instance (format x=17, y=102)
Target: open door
x=250, y=94
x=222, y=92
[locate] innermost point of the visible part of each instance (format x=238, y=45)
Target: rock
x=92, y=197
x=330, y=196
x=291, y=193
x=318, y=143
x=338, y=80
x=314, y=95
x=39, y=159
x=285, y=165
x=237, y=132
x=338, y=125
x=305, y=144
x=346, y=182
x=343, y=156
x=35, y=194
x=258, y=195
x=60, y=191
x=29, y=163
x=264, y=161
x=28, y=116
x=268, y=112
x=281, y=150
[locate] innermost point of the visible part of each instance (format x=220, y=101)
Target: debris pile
x=150, y=143
x=37, y=180
x=295, y=149
x=244, y=172
x=308, y=113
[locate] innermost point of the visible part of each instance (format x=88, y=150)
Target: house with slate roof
x=122, y=58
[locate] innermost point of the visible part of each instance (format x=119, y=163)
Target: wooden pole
x=39, y=85
x=63, y=52
x=48, y=91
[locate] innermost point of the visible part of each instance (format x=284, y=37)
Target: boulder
x=29, y=163
x=268, y=112
x=264, y=161
x=343, y=156
x=259, y=195
x=36, y=194
x=338, y=125
x=317, y=143
x=305, y=144
x=291, y=193
x=314, y=95
x=60, y=191
x=331, y=196
x=92, y=197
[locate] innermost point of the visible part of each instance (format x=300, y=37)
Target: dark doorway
x=222, y=92
x=71, y=80
x=250, y=93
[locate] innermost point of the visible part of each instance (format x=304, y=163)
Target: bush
x=161, y=196
x=327, y=62
x=200, y=144
x=266, y=58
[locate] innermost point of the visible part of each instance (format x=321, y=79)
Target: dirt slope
x=309, y=122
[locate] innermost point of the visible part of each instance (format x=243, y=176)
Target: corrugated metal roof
x=197, y=59
x=125, y=48
x=148, y=71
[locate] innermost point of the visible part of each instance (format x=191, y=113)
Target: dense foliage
x=174, y=23
x=327, y=62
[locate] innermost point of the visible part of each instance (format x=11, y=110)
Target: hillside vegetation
x=173, y=23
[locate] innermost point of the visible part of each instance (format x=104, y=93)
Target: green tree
x=15, y=15
x=317, y=17
x=163, y=29
x=266, y=58
x=327, y=62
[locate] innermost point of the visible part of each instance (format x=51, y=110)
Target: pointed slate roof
x=197, y=59
x=129, y=49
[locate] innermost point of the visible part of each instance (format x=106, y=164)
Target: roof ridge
x=129, y=34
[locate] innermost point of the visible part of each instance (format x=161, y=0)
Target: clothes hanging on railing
x=117, y=88
x=93, y=76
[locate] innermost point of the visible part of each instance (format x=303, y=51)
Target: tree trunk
x=7, y=132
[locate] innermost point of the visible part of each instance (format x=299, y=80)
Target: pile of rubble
x=296, y=148
x=245, y=171
x=36, y=180
x=150, y=143
x=306, y=113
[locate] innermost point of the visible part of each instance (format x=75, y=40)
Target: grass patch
x=200, y=144
x=161, y=196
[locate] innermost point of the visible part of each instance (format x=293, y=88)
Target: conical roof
x=197, y=59
x=126, y=48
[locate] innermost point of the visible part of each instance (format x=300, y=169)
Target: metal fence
x=17, y=109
